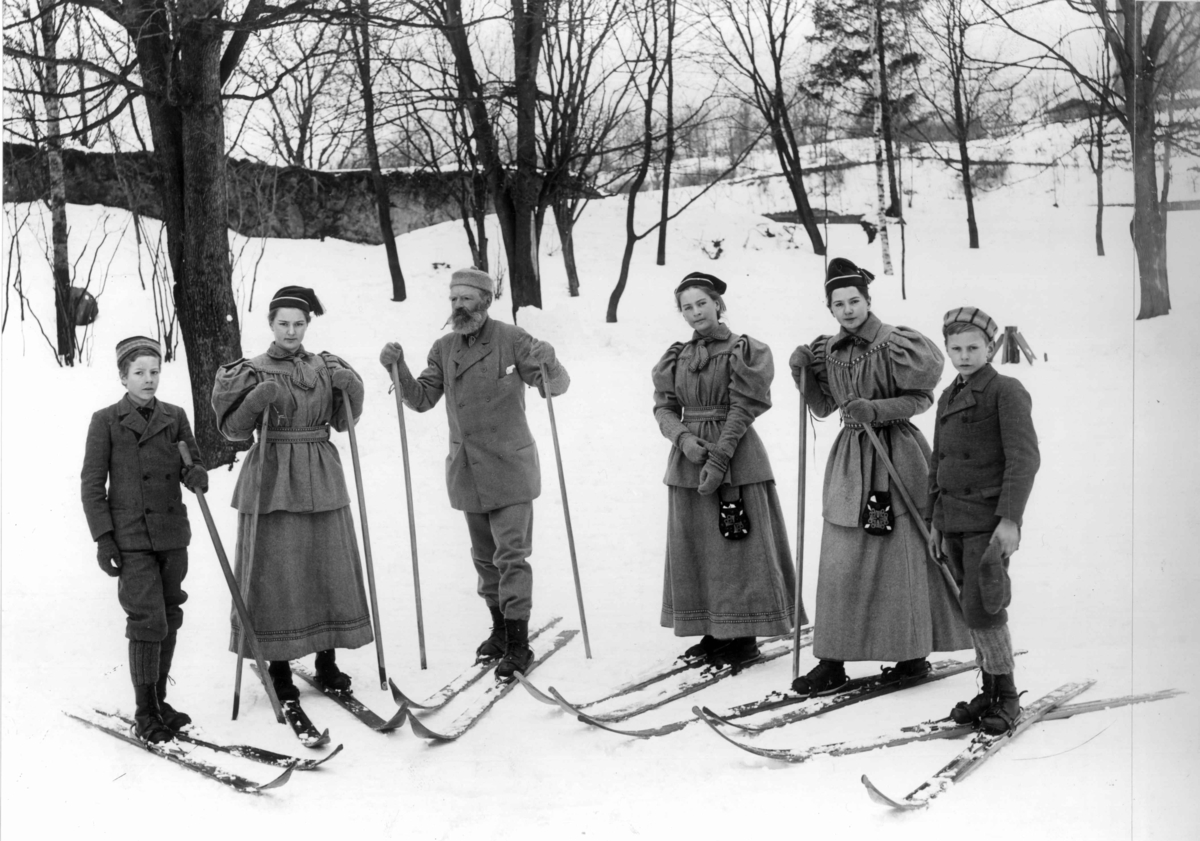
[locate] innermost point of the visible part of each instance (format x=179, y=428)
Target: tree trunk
x=1149, y=225
x=1099, y=137
x=961, y=129
x=669, y=140
x=383, y=203
x=64, y=316
x=885, y=113
x=529, y=23
x=564, y=221
x=880, y=211
x=190, y=157
x=787, y=152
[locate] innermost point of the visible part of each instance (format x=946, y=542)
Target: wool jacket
x=985, y=454
x=492, y=460
x=131, y=476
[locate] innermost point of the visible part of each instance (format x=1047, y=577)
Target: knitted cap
x=137, y=344
x=475, y=278
x=973, y=316
x=842, y=273
x=701, y=279
x=299, y=298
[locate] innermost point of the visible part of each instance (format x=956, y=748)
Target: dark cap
x=297, y=297
x=842, y=272
x=701, y=279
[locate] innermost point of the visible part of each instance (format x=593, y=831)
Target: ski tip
x=282, y=778
x=534, y=691
x=419, y=729
x=396, y=721
x=883, y=800
x=397, y=695
x=311, y=764
x=319, y=742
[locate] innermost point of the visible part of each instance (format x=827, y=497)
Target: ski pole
x=238, y=604
x=366, y=533
x=251, y=545
x=562, y=484
x=800, y=499
x=412, y=520
x=912, y=510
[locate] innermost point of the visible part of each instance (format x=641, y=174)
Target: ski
x=855, y=692
x=859, y=689
x=982, y=748
x=250, y=752
x=351, y=704
x=300, y=723
x=464, y=681
x=925, y=731
x=488, y=698
x=174, y=752
x=690, y=680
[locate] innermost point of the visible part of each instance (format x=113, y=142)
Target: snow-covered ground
x=1104, y=582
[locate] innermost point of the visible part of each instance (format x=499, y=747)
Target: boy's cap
x=842, y=273
x=475, y=278
x=133, y=344
x=701, y=279
x=973, y=316
x=299, y=298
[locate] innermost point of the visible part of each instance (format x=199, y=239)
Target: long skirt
x=306, y=588
x=879, y=598
x=727, y=588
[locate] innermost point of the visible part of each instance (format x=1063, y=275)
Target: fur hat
x=297, y=297
x=973, y=316
x=701, y=279
x=474, y=278
x=140, y=345
x=842, y=273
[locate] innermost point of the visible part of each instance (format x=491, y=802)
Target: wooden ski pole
x=562, y=484
x=917, y=515
x=239, y=604
x=248, y=567
x=412, y=520
x=800, y=500
x=366, y=533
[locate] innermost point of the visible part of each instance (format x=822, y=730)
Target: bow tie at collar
x=304, y=375
x=700, y=359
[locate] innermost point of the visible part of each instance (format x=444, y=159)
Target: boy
x=985, y=455
x=140, y=524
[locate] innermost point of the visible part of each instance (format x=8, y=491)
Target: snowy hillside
x=1104, y=583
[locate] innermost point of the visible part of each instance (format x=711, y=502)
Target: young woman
x=878, y=597
x=305, y=590
x=729, y=573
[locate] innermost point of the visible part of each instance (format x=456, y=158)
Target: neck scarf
x=700, y=359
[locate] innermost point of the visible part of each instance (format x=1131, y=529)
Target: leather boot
x=517, y=653
x=173, y=718
x=1005, y=707
x=492, y=648
x=969, y=712
x=281, y=677
x=328, y=672
x=147, y=716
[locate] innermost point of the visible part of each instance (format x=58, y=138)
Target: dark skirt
x=879, y=598
x=306, y=586
x=727, y=588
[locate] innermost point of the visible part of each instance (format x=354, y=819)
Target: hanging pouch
x=733, y=520
x=878, y=518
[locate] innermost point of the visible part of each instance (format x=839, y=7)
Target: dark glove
x=391, y=353
x=195, y=478
x=860, y=410
x=543, y=353
x=346, y=381
x=711, y=476
x=694, y=450
x=802, y=357
x=108, y=555
x=263, y=395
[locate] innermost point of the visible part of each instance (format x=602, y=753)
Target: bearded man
x=492, y=471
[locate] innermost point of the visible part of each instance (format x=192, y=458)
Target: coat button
x=146, y=477
x=170, y=509
x=945, y=419
x=966, y=490
x=166, y=475
x=966, y=455
x=148, y=511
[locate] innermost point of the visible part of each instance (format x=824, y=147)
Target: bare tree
x=1147, y=42
x=755, y=39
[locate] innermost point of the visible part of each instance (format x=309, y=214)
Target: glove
x=860, y=410
x=711, y=476
x=391, y=353
x=802, y=357
x=346, y=381
x=108, y=555
x=195, y=479
x=263, y=395
x=694, y=450
x=543, y=353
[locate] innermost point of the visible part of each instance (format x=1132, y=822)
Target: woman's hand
x=694, y=450
x=802, y=357
x=263, y=395
x=860, y=410
x=713, y=472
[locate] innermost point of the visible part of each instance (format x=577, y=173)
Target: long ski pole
x=366, y=533
x=412, y=520
x=562, y=484
x=252, y=542
x=912, y=510
x=800, y=499
x=239, y=604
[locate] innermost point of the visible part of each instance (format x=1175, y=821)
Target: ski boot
x=492, y=648
x=905, y=670
x=703, y=651
x=517, y=653
x=825, y=678
x=737, y=652
x=173, y=718
x=329, y=674
x=1005, y=708
x=147, y=717
x=969, y=712
x=281, y=679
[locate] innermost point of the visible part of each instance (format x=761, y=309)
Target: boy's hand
x=263, y=395
x=195, y=478
x=108, y=555
x=391, y=353
x=1008, y=536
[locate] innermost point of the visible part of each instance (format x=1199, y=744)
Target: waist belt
x=693, y=414
x=853, y=424
x=296, y=434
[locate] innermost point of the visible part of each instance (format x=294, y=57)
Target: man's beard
x=465, y=322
